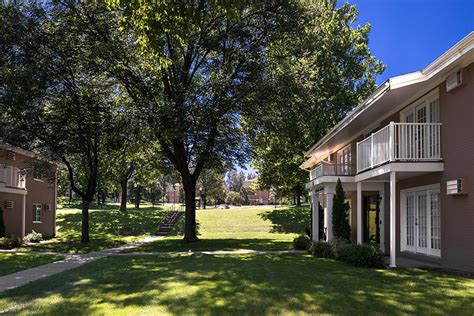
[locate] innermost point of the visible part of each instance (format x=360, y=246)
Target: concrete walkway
x=216, y=252
x=20, y=278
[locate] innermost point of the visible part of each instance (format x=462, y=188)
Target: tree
x=315, y=75
x=211, y=186
x=235, y=180
x=197, y=57
x=53, y=97
x=340, y=214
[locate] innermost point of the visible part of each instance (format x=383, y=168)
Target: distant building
x=255, y=197
x=28, y=200
x=172, y=194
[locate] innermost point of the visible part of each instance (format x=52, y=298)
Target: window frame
x=37, y=207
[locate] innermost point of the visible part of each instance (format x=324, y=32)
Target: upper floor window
x=423, y=111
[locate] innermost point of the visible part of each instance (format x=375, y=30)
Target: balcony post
x=393, y=197
x=328, y=195
x=371, y=150
x=315, y=217
x=391, y=141
x=359, y=213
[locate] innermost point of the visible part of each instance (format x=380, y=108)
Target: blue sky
x=407, y=35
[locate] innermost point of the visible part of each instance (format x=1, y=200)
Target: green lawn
x=252, y=285
x=258, y=228
x=11, y=263
x=108, y=227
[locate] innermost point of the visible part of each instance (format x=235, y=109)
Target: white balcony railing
x=400, y=142
x=12, y=177
x=331, y=169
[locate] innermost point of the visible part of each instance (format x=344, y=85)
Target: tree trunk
x=203, y=201
x=137, y=197
x=189, y=185
x=85, y=221
x=123, y=196
x=298, y=200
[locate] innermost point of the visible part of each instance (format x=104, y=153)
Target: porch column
x=329, y=194
x=359, y=212
x=315, y=223
x=393, y=197
x=23, y=217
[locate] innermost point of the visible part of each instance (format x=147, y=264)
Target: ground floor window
x=421, y=220
x=36, y=213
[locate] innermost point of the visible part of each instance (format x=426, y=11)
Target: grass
x=11, y=263
x=255, y=285
x=108, y=228
x=257, y=228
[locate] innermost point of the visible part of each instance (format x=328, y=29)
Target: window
x=47, y=207
x=36, y=213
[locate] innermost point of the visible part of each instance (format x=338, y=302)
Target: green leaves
x=319, y=68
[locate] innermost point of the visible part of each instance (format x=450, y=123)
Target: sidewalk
x=20, y=278
x=215, y=252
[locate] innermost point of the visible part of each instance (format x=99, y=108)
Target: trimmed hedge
x=302, y=242
x=322, y=249
x=357, y=255
x=362, y=256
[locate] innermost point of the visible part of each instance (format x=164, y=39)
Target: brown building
x=27, y=199
x=255, y=197
x=405, y=157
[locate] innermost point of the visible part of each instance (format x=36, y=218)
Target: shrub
x=2, y=224
x=33, y=237
x=10, y=242
x=362, y=256
x=322, y=249
x=302, y=242
x=338, y=244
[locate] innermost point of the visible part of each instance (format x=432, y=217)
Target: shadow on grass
x=259, y=285
x=288, y=220
x=108, y=229
x=175, y=244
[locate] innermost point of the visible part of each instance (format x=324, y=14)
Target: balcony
x=417, y=142
x=331, y=169
x=12, y=177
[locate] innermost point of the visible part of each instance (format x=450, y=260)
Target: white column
x=23, y=217
x=315, y=223
x=329, y=195
x=359, y=212
x=393, y=197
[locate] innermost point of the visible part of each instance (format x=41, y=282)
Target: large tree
x=197, y=57
x=53, y=98
x=315, y=75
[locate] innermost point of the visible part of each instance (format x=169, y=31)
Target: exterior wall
x=38, y=192
x=457, y=212
x=12, y=217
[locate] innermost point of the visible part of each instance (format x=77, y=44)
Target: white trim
x=400, y=167
x=432, y=188
x=14, y=191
